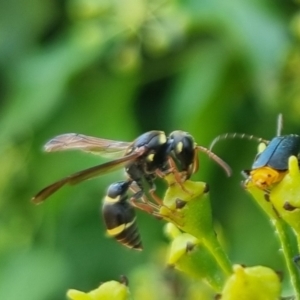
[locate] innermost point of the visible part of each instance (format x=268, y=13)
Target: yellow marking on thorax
x=119, y=229
x=111, y=200
x=162, y=138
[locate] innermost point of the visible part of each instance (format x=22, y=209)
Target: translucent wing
x=75, y=141
x=86, y=174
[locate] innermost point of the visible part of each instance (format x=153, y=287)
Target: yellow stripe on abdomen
x=117, y=230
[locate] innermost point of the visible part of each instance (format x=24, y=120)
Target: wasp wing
x=86, y=174
x=71, y=141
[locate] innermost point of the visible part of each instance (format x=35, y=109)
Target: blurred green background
x=115, y=69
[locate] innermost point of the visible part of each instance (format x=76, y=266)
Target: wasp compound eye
x=183, y=147
x=184, y=152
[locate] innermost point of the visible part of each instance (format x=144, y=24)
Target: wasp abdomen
x=127, y=234
x=119, y=216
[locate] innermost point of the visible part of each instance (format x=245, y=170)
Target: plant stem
x=283, y=234
x=213, y=245
x=286, y=246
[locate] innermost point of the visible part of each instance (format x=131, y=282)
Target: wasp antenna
x=236, y=135
x=217, y=159
x=279, y=124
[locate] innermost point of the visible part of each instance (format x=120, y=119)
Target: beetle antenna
x=279, y=125
x=236, y=135
x=217, y=159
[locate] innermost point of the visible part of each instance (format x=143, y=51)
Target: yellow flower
x=106, y=291
x=187, y=254
x=187, y=206
x=259, y=283
x=286, y=196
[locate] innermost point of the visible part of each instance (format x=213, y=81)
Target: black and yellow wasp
x=152, y=154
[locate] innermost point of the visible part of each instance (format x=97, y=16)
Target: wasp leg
x=171, y=169
x=150, y=180
x=174, y=216
x=146, y=206
x=156, y=198
x=180, y=177
x=140, y=201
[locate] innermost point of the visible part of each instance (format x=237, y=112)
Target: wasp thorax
x=151, y=139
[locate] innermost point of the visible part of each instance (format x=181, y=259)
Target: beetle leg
x=246, y=174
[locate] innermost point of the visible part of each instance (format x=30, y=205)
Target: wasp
x=150, y=155
x=271, y=164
